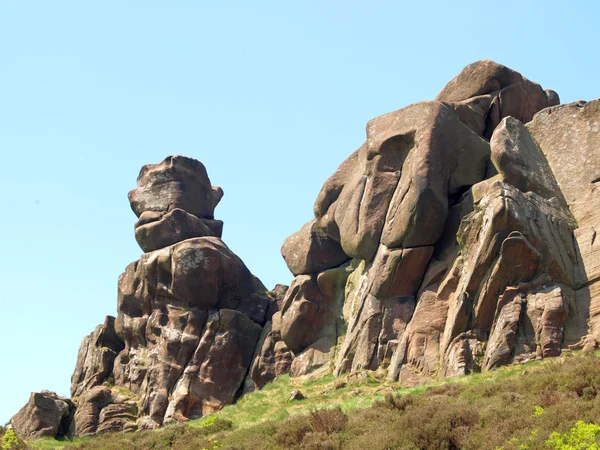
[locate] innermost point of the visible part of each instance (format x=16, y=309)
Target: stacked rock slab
x=460, y=236
x=190, y=315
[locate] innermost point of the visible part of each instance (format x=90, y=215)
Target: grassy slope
x=510, y=407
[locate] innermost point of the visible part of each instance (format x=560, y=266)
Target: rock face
x=469, y=229
x=461, y=236
x=174, y=201
x=190, y=316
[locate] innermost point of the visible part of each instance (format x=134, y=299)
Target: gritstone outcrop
x=190, y=314
x=461, y=236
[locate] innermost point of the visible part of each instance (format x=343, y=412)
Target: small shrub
x=583, y=436
x=320, y=441
x=291, y=432
x=328, y=420
x=215, y=424
x=10, y=441
x=548, y=398
x=398, y=402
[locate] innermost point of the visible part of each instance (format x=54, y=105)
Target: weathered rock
x=412, y=161
x=46, y=414
x=310, y=250
x=156, y=230
x=296, y=395
x=118, y=417
x=99, y=410
x=503, y=213
x=420, y=346
x=96, y=357
x=90, y=404
x=398, y=272
x=199, y=272
x=308, y=314
x=272, y=357
x=166, y=314
x=480, y=78
x=587, y=241
x=177, y=182
x=520, y=162
x=569, y=138
x=372, y=333
x=485, y=92
x=547, y=312
x=277, y=297
x=379, y=305
x=504, y=335
x=217, y=368
x=590, y=296
x=532, y=323
x=397, y=203
x=432, y=253
x=189, y=313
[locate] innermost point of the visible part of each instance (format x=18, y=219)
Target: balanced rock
x=190, y=316
x=177, y=182
x=174, y=201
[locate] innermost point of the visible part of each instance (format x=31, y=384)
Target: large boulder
x=413, y=160
x=311, y=250
x=45, y=415
x=177, y=182
x=156, y=230
x=174, y=201
x=485, y=92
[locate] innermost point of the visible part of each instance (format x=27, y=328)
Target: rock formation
x=46, y=414
x=461, y=236
x=190, y=315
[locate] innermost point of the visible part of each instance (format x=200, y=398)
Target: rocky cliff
x=459, y=237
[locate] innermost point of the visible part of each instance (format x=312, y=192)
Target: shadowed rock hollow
x=461, y=236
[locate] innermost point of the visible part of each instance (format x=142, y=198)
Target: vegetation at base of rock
x=548, y=404
x=10, y=441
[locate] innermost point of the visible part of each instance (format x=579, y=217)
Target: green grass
x=513, y=407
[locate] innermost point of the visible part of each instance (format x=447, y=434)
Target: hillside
x=514, y=407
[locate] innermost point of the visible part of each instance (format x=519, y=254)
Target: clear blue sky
x=270, y=96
